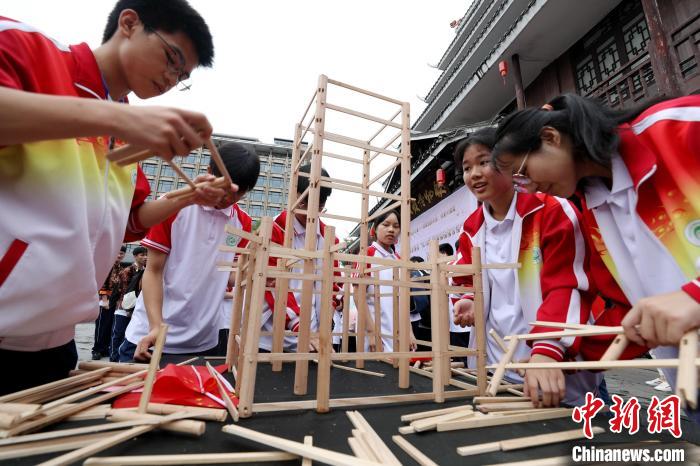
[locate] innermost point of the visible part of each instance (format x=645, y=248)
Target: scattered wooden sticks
x=230, y=406
x=202, y=458
x=153, y=368
x=412, y=451
x=490, y=420
x=525, y=442
x=377, y=447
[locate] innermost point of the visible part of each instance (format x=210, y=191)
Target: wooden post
x=361, y=290
x=252, y=261
x=687, y=378
x=282, y=284
x=301, y=371
x=232, y=348
x=518, y=82
x=377, y=302
x=404, y=276
x=444, y=342
x=660, y=54
x=347, y=289
x=247, y=371
x=153, y=369
x=395, y=313
x=437, y=328
x=323, y=380
x=479, y=322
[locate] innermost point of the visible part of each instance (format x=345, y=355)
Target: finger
x=647, y=330
x=661, y=327
x=546, y=388
x=561, y=383
x=200, y=123
x=630, y=323
x=533, y=389
x=188, y=136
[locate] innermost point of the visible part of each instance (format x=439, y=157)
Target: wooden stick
x=635, y=363
x=501, y=368
x=404, y=430
x=431, y=423
x=308, y=440
x=153, y=369
x=18, y=408
x=379, y=447
x=513, y=406
x=498, y=339
x=525, y=442
x=365, y=116
x=412, y=451
x=433, y=413
x=687, y=378
x=70, y=381
x=315, y=453
x=587, y=332
x=498, y=399
x=136, y=158
x=125, y=151
x=48, y=446
x=125, y=367
x=359, y=371
x=108, y=442
x=185, y=426
x=479, y=322
x=96, y=412
x=323, y=375
x=205, y=414
x=216, y=157
x=198, y=458
x=616, y=348
x=364, y=91
x=224, y=394
x=488, y=421
x=359, y=450
x=182, y=174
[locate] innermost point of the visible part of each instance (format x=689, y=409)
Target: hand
x=142, y=354
x=662, y=319
x=166, y=131
x=210, y=195
x=549, y=382
x=412, y=343
x=369, y=338
x=464, y=313
x=314, y=345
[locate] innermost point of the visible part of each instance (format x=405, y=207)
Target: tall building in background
x=270, y=194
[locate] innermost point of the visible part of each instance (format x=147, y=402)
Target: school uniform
x=386, y=303
x=65, y=209
x=294, y=298
x=645, y=229
x=542, y=233
x=192, y=287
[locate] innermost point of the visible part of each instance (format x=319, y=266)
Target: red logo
x=587, y=412
x=665, y=415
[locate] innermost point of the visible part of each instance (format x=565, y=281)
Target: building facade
x=269, y=197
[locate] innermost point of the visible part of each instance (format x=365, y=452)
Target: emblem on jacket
x=536, y=255
x=232, y=240
x=692, y=232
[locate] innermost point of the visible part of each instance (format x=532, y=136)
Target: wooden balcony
x=633, y=82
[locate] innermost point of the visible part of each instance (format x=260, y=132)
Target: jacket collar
x=87, y=75
x=525, y=204
x=639, y=160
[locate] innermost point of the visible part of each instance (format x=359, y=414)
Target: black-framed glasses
x=175, y=62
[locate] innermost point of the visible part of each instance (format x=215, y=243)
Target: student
x=299, y=242
x=637, y=172
x=386, y=229
x=542, y=233
x=129, y=282
x=420, y=306
x=109, y=296
x=65, y=208
x=181, y=285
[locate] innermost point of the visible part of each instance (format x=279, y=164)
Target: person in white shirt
x=386, y=229
x=181, y=285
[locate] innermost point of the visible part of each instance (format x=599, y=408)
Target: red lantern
x=440, y=177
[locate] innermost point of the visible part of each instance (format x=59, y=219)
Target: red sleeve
x=337, y=287
x=17, y=51
x=134, y=229
x=464, y=257
x=246, y=224
x=160, y=236
x=564, y=277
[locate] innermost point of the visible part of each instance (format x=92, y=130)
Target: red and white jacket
x=552, y=281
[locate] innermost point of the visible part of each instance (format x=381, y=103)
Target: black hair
x=377, y=221
x=446, y=248
x=242, y=163
x=303, y=183
x=485, y=137
x=169, y=16
x=123, y=248
x=139, y=250
x=417, y=259
x=591, y=126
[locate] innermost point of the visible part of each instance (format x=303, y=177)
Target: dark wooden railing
x=633, y=82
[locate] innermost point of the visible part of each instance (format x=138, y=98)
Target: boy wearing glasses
x=66, y=209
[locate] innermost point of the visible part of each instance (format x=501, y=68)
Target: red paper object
x=421, y=359
x=181, y=385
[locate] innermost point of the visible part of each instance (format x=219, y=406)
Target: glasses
x=175, y=62
x=520, y=179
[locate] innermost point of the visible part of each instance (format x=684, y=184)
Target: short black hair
x=169, y=16
x=123, y=248
x=417, y=259
x=303, y=183
x=139, y=250
x=485, y=137
x=242, y=163
x=446, y=248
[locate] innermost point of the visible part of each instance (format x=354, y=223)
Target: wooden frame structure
x=317, y=276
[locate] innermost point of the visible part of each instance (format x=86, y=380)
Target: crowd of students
x=601, y=208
